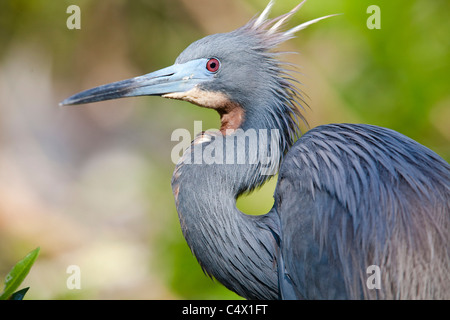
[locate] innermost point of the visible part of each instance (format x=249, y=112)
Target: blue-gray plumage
x=349, y=196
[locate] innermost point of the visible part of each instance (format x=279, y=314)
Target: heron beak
x=176, y=78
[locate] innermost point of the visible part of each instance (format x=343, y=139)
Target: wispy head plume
x=271, y=27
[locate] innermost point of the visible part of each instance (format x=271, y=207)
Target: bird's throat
x=231, y=113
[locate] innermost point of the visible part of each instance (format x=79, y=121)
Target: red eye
x=213, y=65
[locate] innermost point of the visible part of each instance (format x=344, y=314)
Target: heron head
x=236, y=73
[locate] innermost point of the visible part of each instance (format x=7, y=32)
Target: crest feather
x=262, y=22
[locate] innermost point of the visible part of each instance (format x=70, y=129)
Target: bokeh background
x=90, y=185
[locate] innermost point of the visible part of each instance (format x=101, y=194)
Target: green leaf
x=18, y=273
x=18, y=295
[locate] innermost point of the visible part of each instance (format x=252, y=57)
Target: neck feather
x=236, y=249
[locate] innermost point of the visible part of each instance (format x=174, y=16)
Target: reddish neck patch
x=231, y=119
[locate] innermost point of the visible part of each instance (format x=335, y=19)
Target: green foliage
x=16, y=276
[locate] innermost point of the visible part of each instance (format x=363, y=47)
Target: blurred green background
x=90, y=184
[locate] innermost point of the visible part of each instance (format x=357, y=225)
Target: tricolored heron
x=349, y=196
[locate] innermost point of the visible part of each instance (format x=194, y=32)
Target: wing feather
x=350, y=196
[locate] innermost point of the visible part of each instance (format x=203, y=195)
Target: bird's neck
x=236, y=249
